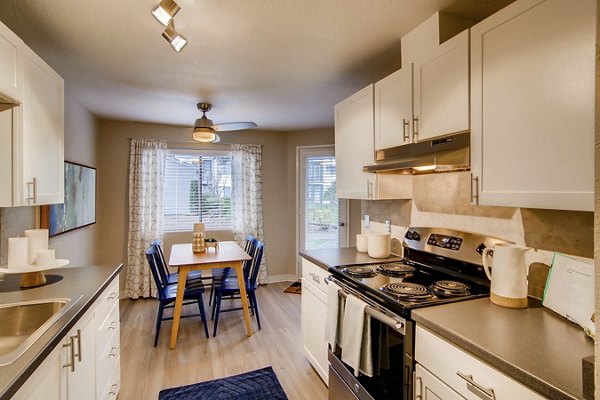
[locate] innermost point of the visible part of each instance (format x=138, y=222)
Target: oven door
x=393, y=364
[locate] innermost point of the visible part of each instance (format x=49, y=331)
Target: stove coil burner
x=359, y=271
x=396, y=270
x=408, y=291
x=450, y=288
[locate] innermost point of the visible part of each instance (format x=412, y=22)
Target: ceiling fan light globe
x=204, y=135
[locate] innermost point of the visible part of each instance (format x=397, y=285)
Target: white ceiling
x=280, y=63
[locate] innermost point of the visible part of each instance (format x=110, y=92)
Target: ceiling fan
x=206, y=131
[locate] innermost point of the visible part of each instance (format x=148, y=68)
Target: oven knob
x=480, y=248
x=415, y=236
x=356, y=387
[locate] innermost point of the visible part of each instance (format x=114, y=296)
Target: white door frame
x=299, y=150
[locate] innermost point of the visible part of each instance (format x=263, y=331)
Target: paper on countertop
x=570, y=290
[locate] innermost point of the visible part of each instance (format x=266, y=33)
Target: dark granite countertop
x=326, y=258
x=534, y=346
x=85, y=283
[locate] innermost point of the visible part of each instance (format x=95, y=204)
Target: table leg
x=240, y=278
x=183, y=271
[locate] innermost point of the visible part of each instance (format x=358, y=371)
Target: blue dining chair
x=168, y=292
x=171, y=278
x=229, y=287
x=219, y=273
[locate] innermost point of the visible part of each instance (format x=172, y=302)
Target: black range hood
x=441, y=154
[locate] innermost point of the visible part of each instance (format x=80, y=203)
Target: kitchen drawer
x=446, y=361
x=106, y=301
x=106, y=362
x=315, y=274
x=111, y=390
x=108, y=329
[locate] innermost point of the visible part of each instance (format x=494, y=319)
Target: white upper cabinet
x=393, y=109
x=429, y=96
x=532, y=117
x=42, y=139
x=11, y=68
x=441, y=90
x=31, y=127
x=354, y=145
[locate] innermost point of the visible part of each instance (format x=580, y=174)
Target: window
x=197, y=188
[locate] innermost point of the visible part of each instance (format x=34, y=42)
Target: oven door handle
x=396, y=323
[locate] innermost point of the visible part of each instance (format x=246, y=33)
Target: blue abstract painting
x=79, y=208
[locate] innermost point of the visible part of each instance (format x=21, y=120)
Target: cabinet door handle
x=417, y=382
x=113, y=389
x=369, y=189
x=415, y=128
x=476, y=388
x=33, y=197
x=71, y=345
x=112, y=296
x=113, y=351
x=113, y=325
x=315, y=277
x=78, y=337
x=405, y=135
x=475, y=190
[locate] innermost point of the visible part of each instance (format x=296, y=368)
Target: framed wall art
x=79, y=208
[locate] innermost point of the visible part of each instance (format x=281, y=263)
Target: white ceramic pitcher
x=509, y=276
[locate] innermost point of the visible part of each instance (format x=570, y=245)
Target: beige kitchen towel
x=366, y=352
x=332, y=327
x=352, y=339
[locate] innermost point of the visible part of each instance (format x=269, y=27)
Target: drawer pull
x=417, y=383
x=112, y=296
x=113, y=389
x=113, y=325
x=315, y=277
x=476, y=388
x=113, y=352
x=78, y=336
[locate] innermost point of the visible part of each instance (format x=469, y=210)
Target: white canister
x=38, y=241
x=18, y=252
x=46, y=258
x=362, y=243
x=379, y=245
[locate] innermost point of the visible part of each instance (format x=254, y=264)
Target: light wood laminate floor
x=145, y=369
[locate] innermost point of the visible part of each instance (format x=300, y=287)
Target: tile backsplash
x=13, y=222
x=443, y=200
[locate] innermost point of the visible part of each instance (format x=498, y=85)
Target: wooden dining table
x=228, y=254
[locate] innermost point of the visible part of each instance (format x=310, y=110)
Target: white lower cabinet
x=440, y=364
x=85, y=365
x=429, y=387
x=45, y=382
x=314, y=317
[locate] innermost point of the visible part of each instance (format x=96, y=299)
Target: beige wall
x=278, y=186
x=78, y=246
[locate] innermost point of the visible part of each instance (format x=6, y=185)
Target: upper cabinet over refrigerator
x=532, y=94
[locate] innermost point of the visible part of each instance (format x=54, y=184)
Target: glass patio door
x=322, y=216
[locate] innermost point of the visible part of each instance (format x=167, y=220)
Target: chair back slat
x=255, y=266
x=153, y=256
x=249, y=249
x=161, y=263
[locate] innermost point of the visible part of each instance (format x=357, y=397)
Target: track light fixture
x=165, y=11
x=175, y=39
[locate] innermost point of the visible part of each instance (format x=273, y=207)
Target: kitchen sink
x=21, y=324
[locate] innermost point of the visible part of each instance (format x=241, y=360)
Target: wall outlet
x=367, y=221
x=388, y=226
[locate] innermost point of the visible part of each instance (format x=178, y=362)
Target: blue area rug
x=261, y=384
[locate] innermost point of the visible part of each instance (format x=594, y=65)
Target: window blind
x=321, y=203
x=197, y=189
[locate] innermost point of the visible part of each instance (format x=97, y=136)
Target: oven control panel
x=445, y=242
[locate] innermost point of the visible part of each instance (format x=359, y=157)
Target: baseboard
x=282, y=278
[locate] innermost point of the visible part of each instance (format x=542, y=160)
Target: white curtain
x=146, y=173
x=246, y=175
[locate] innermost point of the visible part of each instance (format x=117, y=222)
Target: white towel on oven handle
x=332, y=327
x=356, y=340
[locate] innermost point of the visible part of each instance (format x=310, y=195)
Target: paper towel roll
x=18, y=252
x=38, y=241
x=46, y=258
